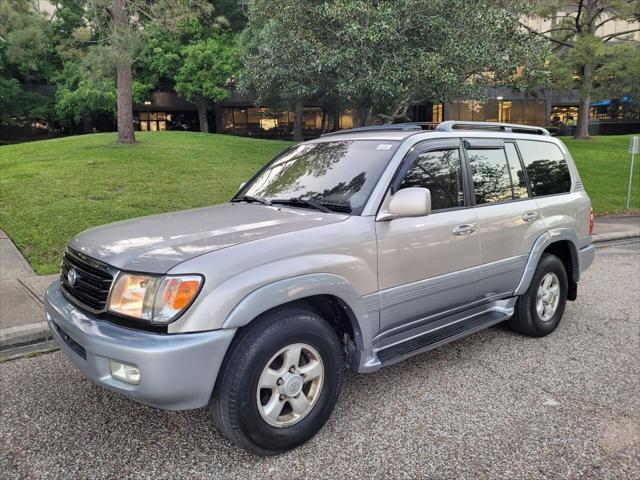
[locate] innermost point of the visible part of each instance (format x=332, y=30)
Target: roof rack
x=398, y=127
x=451, y=125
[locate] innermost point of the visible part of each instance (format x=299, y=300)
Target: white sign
x=634, y=147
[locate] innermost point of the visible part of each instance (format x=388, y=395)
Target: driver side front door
x=426, y=264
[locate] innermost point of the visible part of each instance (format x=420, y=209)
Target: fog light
x=124, y=371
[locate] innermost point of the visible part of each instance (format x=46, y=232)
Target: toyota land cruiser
x=358, y=249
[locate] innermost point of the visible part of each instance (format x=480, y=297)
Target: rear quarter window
x=546, y=168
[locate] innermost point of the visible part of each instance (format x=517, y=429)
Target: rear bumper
x=177, y=372
x=585, y=257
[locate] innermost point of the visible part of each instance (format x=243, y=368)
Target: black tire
x=526, y=319
x=233, y=403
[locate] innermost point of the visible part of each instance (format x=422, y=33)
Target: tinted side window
x=441, y=172
x=491, y=175
x=546, y=168
x=517, y=174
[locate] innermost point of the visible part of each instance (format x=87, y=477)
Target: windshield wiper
x=303, y=201
x=251, y=199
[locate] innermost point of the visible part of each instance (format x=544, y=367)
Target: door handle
x=530, y=216
x=465, y=229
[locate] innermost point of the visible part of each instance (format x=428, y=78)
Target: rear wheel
x=280, y=382
x=540, y=309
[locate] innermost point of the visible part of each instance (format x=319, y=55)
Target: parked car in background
x=358, y=249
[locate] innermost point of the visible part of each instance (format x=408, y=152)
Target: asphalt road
x=495, y=405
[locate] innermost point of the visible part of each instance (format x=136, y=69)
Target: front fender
x=296, y=288
x=365, y=324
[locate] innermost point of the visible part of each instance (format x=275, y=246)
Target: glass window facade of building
x=529, y=111
x=160, y=121
x=564, y=115
x=266, y=122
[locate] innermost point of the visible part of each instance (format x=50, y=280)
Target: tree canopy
x=597, y=62
x=376, y=57
x=206, y=72
x=383, y=57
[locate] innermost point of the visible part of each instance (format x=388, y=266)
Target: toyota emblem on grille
x=72, y=276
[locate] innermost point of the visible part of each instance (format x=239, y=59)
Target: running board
x=440, y=335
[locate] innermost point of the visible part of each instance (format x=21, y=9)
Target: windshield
x=338, y=176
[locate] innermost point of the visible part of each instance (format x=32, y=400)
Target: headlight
x=156, y=299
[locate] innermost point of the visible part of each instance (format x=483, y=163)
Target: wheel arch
x=330, y=296
x=566, y=251
x=563, y=243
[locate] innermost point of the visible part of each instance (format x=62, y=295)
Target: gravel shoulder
x=494, y=405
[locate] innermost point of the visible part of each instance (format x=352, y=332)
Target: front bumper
x=177, y=372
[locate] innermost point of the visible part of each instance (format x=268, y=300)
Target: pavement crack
x=31, y=292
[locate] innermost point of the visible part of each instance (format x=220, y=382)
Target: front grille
x=93, y=280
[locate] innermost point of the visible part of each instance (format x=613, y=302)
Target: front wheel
x=539, y=311
x=279, y=383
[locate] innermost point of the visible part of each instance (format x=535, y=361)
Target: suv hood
x=157, y=243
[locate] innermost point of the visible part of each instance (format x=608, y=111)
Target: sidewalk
x=606, y=229
x=21, y=296
x=22, y=291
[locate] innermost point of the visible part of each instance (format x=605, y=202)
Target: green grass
x=50, y=190
x=604, y=164
x=53, y=189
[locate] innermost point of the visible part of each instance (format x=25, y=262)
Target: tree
x=585, y=58
x=206, y=73
x=281, y=54
x=120, y=25
x=27, y=60
x=233, y=12
x=383, y=57
x=86, y=86
x=197, y=60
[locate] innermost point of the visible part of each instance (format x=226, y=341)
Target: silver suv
x=359, y=249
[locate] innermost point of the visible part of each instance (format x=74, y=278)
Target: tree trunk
x=86, y=124
x=548, y=104
x=297, y=126
x=335, y=111
x=202, y=116
x=124, y=74
x=325, y=119
x=582, y=130
x=361, y=116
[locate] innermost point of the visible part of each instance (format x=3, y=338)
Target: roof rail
x=398, y=127
x=451, y=125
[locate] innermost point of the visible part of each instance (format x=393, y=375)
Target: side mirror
x=410, y=202
x=242, y=185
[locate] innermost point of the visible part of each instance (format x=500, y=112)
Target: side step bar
x=441, y=335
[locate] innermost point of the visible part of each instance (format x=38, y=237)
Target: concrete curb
x=28, y=350
x=23, y=335
x=612, y=237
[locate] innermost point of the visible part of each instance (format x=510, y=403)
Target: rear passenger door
x=508, y=218
x=551, y=186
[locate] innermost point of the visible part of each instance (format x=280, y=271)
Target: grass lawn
x=604, y=164
x=51, y=190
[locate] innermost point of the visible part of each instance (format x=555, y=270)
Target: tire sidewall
x=548, y=264
x=300, y=328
